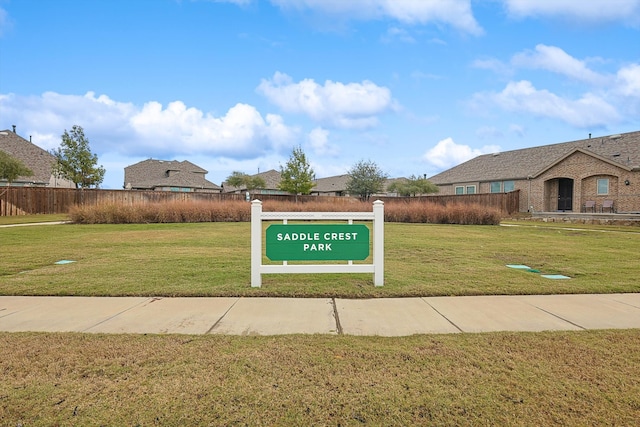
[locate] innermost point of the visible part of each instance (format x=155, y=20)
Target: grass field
x=560, y=378
x=213, y=259
x=531, y=379
x=30, y=219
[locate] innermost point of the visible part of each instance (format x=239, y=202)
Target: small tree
x=297, y=175
x=242, y=180
x=75, y=162
x=11, y=168
x=413, y=186
x=365, y=179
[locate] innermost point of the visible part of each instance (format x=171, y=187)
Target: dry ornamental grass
x=234, y=211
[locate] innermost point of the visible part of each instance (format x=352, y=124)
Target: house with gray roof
x=168, y=175
x=330, y=186
x=576, y=176
x=40, y=162
x=337, y=186
x=271, y=180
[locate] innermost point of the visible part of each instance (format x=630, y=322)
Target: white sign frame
x=258, y=269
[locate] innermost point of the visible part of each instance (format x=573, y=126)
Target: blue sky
x=415, y=86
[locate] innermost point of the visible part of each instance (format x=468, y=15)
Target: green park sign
x=305, y=242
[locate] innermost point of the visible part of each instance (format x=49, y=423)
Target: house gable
x=622, y=150
x=167, y=175
x=576, y=151
x=35, y=158
x=537, y=173
x=331, y=186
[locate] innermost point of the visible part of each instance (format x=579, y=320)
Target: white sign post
x=258, y=269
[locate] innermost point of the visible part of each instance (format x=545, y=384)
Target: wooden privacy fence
x=507, y=203
x=44, y=200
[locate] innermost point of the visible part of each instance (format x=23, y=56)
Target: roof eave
x=583, y=151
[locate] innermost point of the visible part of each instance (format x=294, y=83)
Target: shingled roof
x=150, y=174
x=35, y=158
x=622, y=150
x=271, y=179
x=332, y=184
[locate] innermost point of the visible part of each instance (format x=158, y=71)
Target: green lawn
x=30, y=219
x=533, y=379
x=213, y=259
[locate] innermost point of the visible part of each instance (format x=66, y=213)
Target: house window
x=471, y=189
x=459, y=190
x=502, y=186
x=603, y=186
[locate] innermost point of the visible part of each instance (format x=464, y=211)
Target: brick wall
x=585, y=170
x=540, y=194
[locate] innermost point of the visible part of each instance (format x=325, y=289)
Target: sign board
x=306, y=242
x=325, y=240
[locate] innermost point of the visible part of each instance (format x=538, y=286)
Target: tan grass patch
x=234, y=211
x=567, y=378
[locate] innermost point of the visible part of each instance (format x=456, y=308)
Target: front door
x=565, y=194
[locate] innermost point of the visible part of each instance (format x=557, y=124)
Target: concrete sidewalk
x=276, y=316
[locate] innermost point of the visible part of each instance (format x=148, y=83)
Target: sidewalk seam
x=336, y=317
x=624, y=303
x=222, y=317
x=559, y=317
x=442, y=315
x=119, y=313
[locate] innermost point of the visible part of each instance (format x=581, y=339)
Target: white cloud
x=151, y=130
x=456, y=13
x=49, y=114
x=554, y=59
x=239, y=132
x=350, y=105
x=319, y=141
x=522, y=97
x=590, y=11
x=446, y=153
x=628, y=81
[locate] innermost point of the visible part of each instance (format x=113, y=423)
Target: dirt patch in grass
x=567, y=378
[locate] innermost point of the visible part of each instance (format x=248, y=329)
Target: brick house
x=576, y=176
x=35, y=158
x=168, y=175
